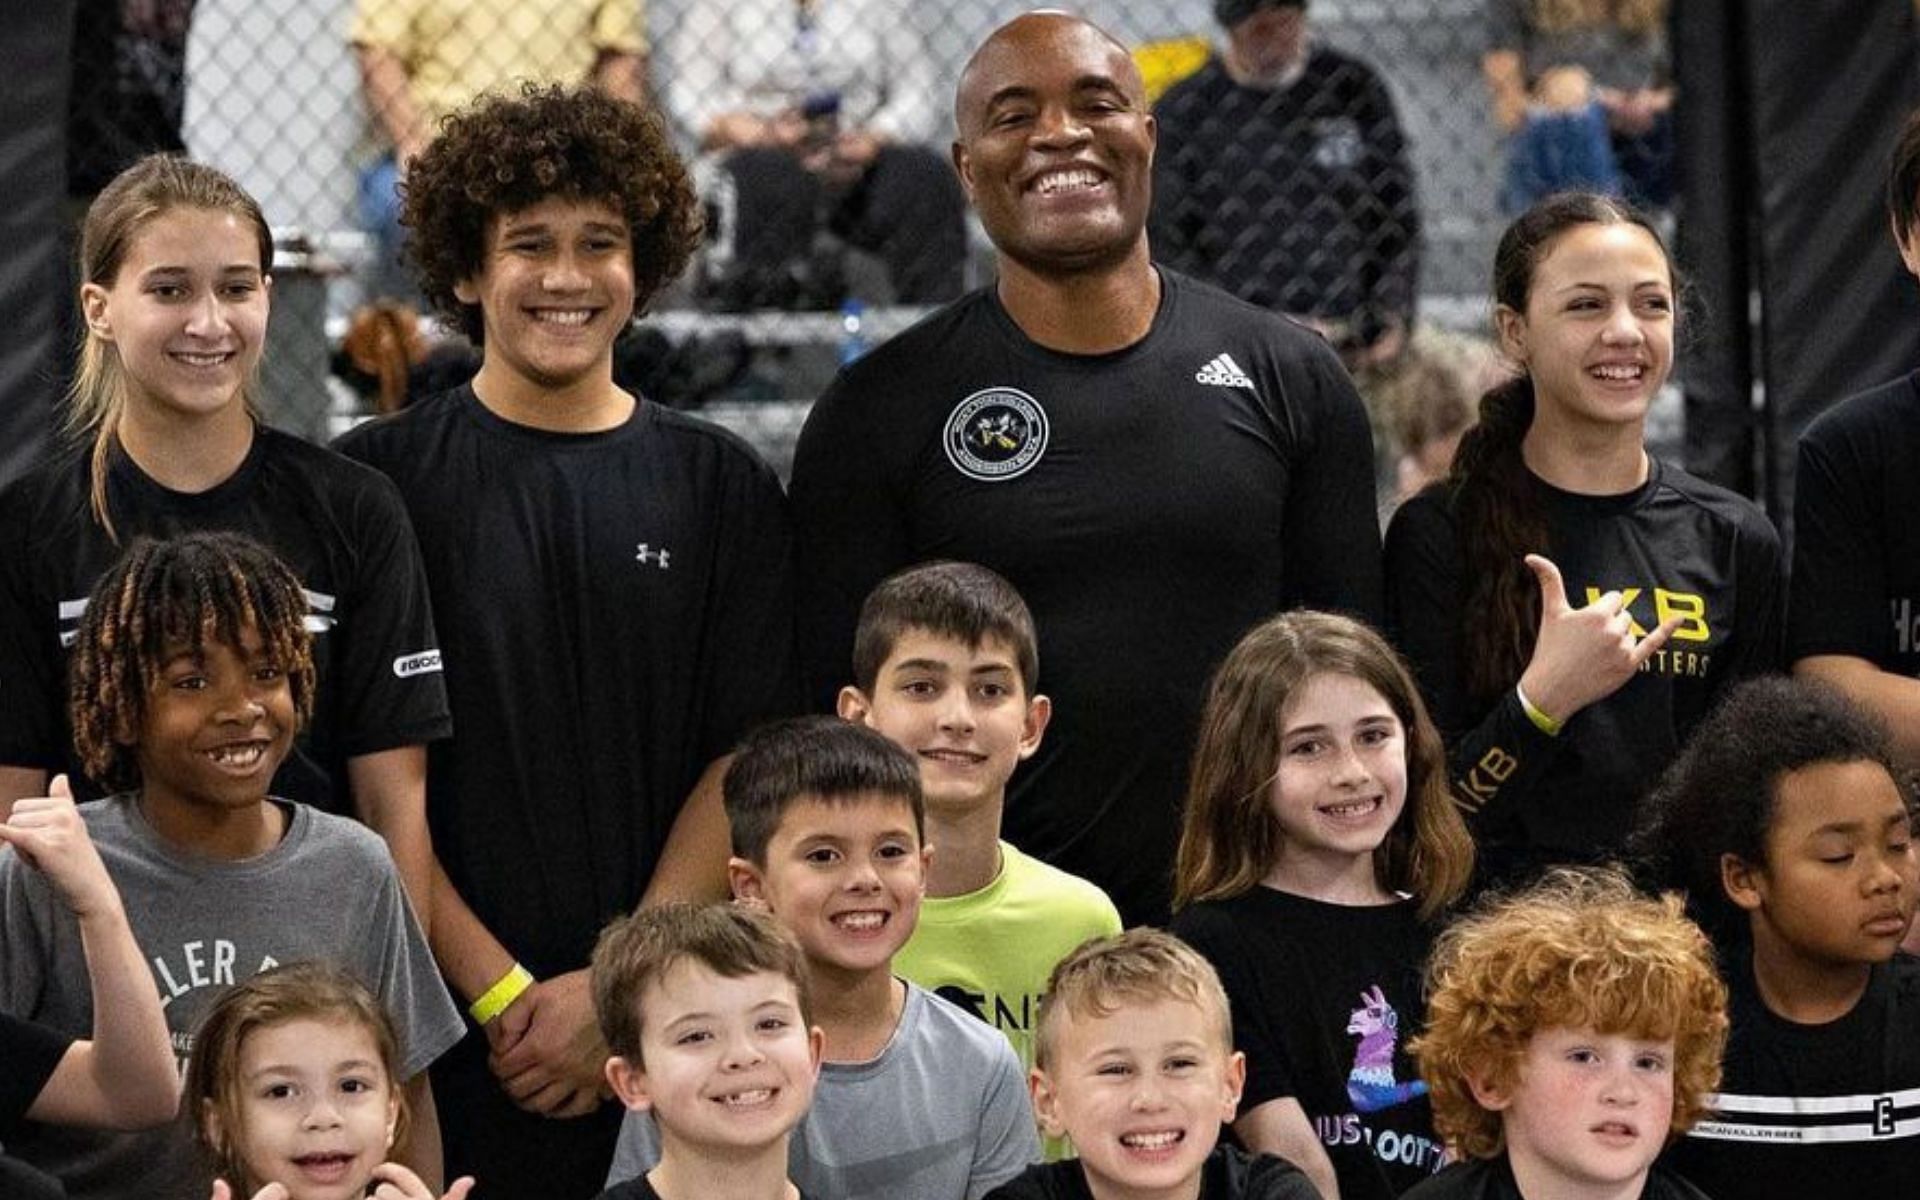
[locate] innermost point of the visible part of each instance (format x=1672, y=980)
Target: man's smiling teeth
x=238, y=756
x=747, y=1099
x=1151, y=1141
x=1621, y=371
x=1061, y=181
x=861, y=922
x=566, y=316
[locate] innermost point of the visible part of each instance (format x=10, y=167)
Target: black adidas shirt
x=1151, y=505
x=1675, y=546
x=616, y=610
x=1814, y=1110
x=339, y=526
x=1325, y=998
x=1856, y=546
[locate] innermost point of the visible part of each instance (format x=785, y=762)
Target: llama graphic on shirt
x=1371, y=1084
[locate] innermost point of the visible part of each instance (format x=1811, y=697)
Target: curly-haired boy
x=1572, y=1030
x=611, y=578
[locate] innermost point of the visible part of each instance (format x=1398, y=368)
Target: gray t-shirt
x=940, y=1114
x=327, y=891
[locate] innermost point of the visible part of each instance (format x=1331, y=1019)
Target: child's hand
x=1583, y=654
x=273, y=1191
x=395, y=1182
x=49, y=834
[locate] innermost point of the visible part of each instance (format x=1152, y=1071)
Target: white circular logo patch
x=996, y=433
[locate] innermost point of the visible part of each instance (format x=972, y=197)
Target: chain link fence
x=272, y=91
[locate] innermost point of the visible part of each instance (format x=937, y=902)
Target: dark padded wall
x=1787, y=111
x=33, y=280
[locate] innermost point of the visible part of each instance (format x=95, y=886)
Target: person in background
x=816, y=123
x=1282, y=176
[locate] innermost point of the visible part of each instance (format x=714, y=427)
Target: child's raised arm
x=125, y=1077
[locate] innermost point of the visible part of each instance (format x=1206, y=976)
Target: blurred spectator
x=1282, y=176
x=815, y=116
x=1425, y=400
x=1584, y=88
x=422, y=59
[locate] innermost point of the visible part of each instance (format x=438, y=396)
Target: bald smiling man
x=1154, y=464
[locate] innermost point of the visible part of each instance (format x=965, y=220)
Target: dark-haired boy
x=945, y=661
x=916, y=1099
x=612, y=585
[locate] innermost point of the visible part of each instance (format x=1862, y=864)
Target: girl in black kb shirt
x=1571, y=605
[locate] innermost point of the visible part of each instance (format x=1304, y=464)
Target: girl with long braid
x=1571, y=605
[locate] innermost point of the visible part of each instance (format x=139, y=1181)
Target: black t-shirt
x=1325, y=998
x=638, y=1188
x=339, y=526
x=30, y=1053
x=1675, y=546
x=1151, y=505
x=1227, y=1175
x=616, y=610
x=1856, y=546
x=1297, y=198
x=1492, y=1179
x=1814, y=1110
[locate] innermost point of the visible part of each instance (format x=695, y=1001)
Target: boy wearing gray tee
x=940, y=1111
x=917, y=1100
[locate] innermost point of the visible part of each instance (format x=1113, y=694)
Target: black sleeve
x=1492, y=755
x=1839, y=593
x=33, y=671
x=752, y=675
x=1389, y=215
x=31, y=1052
x=1760, y=601
x=1256, y=1014
x=1332, y=529
x=386, y=700
x=850, y=530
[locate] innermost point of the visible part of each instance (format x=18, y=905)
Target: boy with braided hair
x=192, y=671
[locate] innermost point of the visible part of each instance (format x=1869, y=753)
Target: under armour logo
x=647, y=554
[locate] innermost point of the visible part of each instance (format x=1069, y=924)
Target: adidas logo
x=1224, y=372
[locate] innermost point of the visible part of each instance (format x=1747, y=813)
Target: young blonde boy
x=945, y=663
x=916, y=1099
x=707, y=1011
x=1134, y=1061
x=1573, y=1029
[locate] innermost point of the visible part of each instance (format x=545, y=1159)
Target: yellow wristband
x=495, y=999
x=1541, y=721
